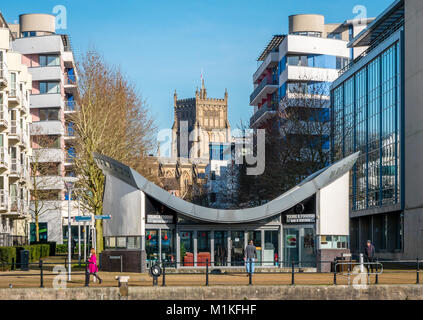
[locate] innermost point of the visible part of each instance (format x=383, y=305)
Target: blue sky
x=163, y=45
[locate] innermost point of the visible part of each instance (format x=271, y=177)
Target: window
x=333, y=242
x=337, y=36
x=29, y=34
x=48, y=114
x=46, y=168
x=46, y=142
x=110, y=242
x=49, y=60
x=49, y=87
x=45, y=195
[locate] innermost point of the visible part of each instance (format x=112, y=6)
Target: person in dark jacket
x=250, y=254
x=369, y=255
x=73, y=245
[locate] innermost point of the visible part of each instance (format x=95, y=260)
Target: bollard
x=122, y=285
x=293, y=272
x=41, y=274
x=361, y=263
x=334, y=271
x=418, y=272
x=87, y=276
x=207, y=272
x=250, y=275
x=377, y=271
x=164, y=275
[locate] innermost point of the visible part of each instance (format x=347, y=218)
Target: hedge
x=7, y=255
x=36, y=251
x=63, y=248
x=12, y=255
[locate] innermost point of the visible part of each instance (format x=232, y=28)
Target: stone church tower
x=197, y=122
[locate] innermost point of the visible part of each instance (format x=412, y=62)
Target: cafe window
x=110, y=242
x=186, y=248
x=133, y=243
x=121, y=242
x=203, y=248
x=152, y=245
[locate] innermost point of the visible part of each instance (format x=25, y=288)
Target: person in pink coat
x=92, y=265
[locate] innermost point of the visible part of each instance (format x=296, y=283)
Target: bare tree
x=111, y=119
x=297, y=143
x=45, y=182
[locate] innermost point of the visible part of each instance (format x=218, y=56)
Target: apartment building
x=305, y=61
x=15, y=151
x=50, y=61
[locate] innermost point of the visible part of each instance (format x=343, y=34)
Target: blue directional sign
x=82, y=218
x=103, y=217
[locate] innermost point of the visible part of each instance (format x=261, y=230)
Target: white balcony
x=47, y=128
x=4, y=156
x=50, y=182
x=14, y=131
x=70, y=107
x=48, y=155
x=15, y=205
x=4, y=200
x=267, y=86
x=15, y=170
x=46, y=73
x=39, y=45
x=270, y=61
x=4, y=116
x=302, y=73
x=266, y=112
x=14, y=95
x=70, y=83
x=46, y=100
x=4, y=74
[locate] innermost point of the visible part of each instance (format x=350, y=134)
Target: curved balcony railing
x=265, y=82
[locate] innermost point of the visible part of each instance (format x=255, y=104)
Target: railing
x=70, y=105
x=386, y=272
x=14, y=129
x=3, y=199
x=265, y=82
x=3, y=156
x=69, y=132
x=4, y=115
x=4, y=72
x=265, y=108
x=14, y=166
x=376, y=42
x=70, y=158
x=70, y=79
x=14, y=92
x=15, y=204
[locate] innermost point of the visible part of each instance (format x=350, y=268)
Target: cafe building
x=307, y=224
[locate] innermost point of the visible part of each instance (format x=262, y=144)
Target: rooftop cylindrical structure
x=37, y=22
x=306, y=23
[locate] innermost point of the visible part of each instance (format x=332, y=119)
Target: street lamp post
x=69, y=187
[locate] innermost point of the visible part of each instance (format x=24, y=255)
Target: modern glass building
x=367, y=110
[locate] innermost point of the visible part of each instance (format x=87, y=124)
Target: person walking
x=92, y=265
x=369, y=255
x=73, y=245
x=250, y=254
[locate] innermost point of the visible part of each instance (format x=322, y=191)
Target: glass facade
x=366, y=118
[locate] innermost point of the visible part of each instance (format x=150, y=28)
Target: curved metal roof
x=285, y=201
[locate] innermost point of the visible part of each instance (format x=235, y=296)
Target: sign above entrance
x=300, y=218
x=159, y=218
